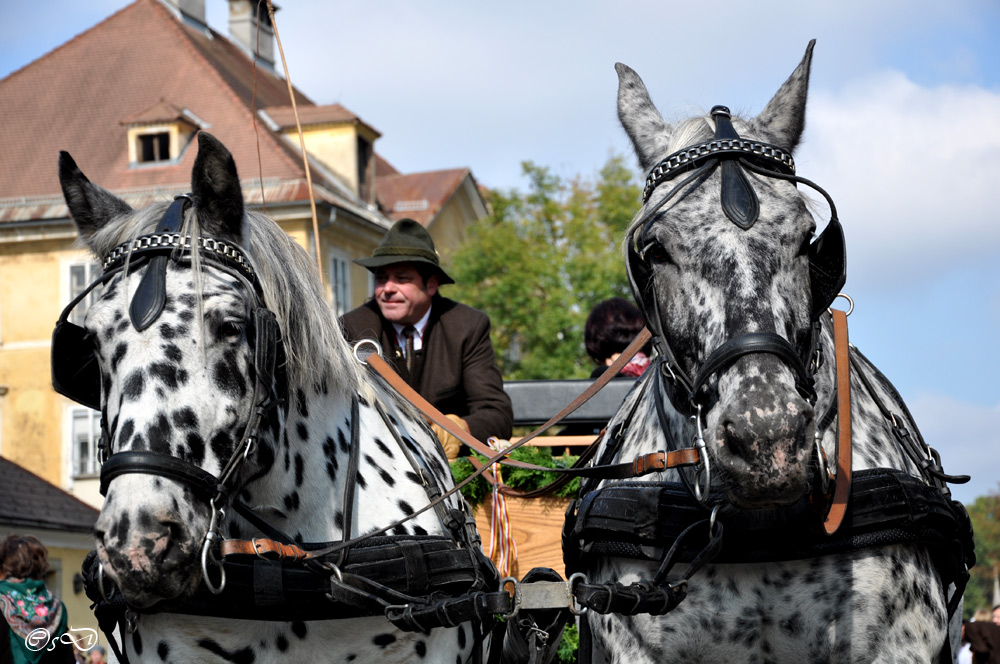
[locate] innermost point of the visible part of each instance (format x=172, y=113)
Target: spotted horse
x=814, y=524
x=235, y=414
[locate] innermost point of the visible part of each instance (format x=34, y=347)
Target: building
x=31, y=506
x=126, y=98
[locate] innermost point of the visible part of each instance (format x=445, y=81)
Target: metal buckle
x=366, y=342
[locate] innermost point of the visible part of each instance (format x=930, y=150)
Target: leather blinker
x=739, y=200
x=151, y=295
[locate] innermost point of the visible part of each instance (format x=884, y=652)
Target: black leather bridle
x=827, y=255
x=76, y=373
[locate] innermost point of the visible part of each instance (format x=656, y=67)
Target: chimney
x=190, y=10
x=244, y=17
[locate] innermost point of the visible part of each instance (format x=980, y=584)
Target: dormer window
x=154, y=147
x=159, y=135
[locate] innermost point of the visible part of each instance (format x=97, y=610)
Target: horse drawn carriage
x=761, y=494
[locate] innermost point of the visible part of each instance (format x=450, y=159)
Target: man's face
x=996, y=615
x=401, y=293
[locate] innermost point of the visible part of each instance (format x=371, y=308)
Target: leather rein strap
x=842, y=488
x=647, y=463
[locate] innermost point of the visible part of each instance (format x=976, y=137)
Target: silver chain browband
x=170, y=241
x=696, y=153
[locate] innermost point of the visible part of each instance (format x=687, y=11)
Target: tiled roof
x=162, y=111
x=28, y=500
x=72, y=99
x=418, y=196
x=284, y=116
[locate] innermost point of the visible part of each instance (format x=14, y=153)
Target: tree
x=542, y=260
x=985, y=515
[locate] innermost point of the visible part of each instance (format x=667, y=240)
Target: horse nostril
x=735, y=437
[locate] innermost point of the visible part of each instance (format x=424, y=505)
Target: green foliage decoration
x=517, y=478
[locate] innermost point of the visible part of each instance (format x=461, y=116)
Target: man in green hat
x=441, y=348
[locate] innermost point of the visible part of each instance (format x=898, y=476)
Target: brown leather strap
x=436, y=416
x=264, y=548
x=842, y=489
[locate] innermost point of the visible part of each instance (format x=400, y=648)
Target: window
x=340, y=283
x=154, y=147
x=365, y=154
x=85, y=430
x=82, y=275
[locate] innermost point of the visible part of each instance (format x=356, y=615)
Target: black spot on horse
x=227, y=378
x=292, y=501
x=345, y=446
x=196, y=448
x=185, y=418
x=168, y=374
x=405, y=507
x=384, y=640
x=118, y=356
x=281, y=643
x=167, y=331
x=133, y=386
x=461, y=637
x=299, y=629
x=299, y=469
x=222, y=445
x=242, y=656
x=125, y=434
x=383, y=447
x=420, y=647
x=137, y=643
x=302, y=431
x=163, y=650
x=158, y=433
x=172, y=353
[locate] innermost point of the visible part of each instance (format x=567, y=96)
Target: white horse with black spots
x=723, y=256
x=187, y=362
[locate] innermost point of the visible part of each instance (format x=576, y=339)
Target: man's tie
x=408, y=333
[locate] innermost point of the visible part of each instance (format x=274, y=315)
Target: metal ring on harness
x=704, y=463
x=573, y=607
x=850, y=301
x=515, y=607
x=208, y=555
x=364, y=342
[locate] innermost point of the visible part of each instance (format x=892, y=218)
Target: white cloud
x=913, y=171
x=968, y=438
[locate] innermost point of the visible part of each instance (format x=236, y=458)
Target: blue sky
x=903, y=130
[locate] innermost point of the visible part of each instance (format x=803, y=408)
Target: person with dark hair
x=33, y=617
x=440, y=347
x=610, y=328
x=983, y=637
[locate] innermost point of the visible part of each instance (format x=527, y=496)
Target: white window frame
x=83, y=441
x=90, y=271
x=340, y=282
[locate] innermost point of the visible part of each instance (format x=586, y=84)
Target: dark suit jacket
x=456, y=368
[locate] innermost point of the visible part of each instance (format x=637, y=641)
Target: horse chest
x=178, y=638
x=881, y=605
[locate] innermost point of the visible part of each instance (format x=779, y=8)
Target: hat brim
x=381, y=261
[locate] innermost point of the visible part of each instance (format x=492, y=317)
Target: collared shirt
x=418, y=338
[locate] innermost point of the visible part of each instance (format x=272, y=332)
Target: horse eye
x=231, y=330
x=655, y=252
x=805, y=246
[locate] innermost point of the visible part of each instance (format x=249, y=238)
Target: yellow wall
x=33, y=289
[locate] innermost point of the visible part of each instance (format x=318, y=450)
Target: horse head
x=185, y=350
x=723, y=262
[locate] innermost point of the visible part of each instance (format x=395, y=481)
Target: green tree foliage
x=985, y=515
x=541, y=261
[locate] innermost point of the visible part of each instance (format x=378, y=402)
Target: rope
x=302, y=141
x=503, y=549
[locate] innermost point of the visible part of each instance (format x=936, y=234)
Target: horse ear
x=218, y=197
x=90, y=206
x=783, y=119
x=644, y=125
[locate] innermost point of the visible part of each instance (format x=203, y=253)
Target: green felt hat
x=406, y=242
